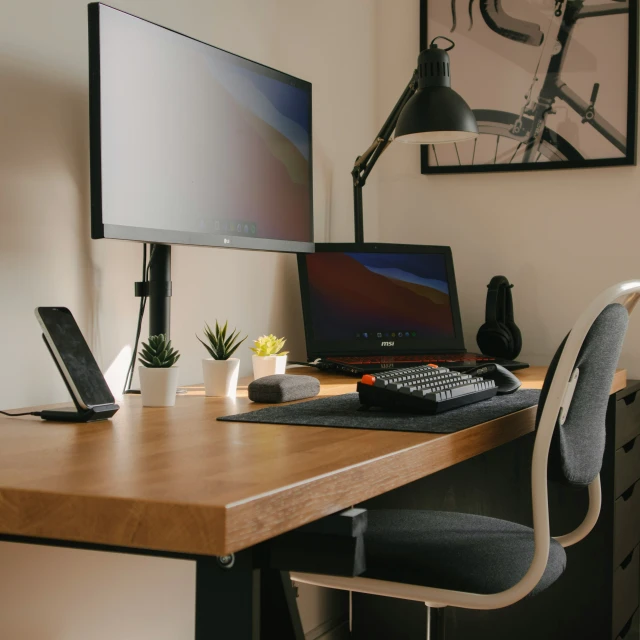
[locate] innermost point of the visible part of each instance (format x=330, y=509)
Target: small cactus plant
x=221, y=347
x=158, y=353
x=269, y=346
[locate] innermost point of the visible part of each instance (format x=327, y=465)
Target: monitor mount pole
x=158, y=289
x=365, y=163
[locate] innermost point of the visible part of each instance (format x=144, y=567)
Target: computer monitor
x=191, y=144
x=194, y=145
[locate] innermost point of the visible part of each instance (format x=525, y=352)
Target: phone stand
x=102, y=412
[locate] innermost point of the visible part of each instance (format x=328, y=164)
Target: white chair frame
x=559, y=397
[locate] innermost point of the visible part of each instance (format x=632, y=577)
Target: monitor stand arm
x=158, y=290
x=365, y=163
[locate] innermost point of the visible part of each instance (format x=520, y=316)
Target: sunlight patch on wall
x=117, y=372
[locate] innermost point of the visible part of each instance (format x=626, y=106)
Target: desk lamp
x=429, y=111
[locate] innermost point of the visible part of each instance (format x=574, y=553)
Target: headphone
x=499, y=336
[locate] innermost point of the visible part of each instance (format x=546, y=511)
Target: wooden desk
x=176, y=480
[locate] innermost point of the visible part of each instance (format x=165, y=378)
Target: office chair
x=475, y=562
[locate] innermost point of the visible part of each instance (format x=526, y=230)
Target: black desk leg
x=278, y=607
x=237, y=601
x=227, y=598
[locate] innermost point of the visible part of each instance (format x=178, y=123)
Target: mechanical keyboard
x=428, y=389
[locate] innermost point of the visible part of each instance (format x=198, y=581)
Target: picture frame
x=552, y=87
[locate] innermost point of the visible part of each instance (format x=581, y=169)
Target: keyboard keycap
x=460, y=391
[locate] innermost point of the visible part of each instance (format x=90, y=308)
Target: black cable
x=26, y=413
x=127, y=381
x=143, y=304
x=449, y=40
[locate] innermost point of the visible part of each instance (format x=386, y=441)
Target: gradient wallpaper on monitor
x=368, y=296
x=197, y=140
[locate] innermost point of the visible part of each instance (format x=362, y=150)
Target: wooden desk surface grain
x=174, y=479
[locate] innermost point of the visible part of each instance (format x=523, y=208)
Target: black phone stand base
x=81, y=415
x=94, y=414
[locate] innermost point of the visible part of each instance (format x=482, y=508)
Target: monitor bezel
x=373, y=347
x=101, y=230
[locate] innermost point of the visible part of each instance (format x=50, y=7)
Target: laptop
x=370, y=307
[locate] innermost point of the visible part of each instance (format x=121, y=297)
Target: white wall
x=47, y=258
x=559, y=236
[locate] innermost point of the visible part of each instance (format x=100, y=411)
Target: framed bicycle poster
x=552, y=83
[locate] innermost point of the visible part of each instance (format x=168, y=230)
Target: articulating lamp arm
x=365, y=163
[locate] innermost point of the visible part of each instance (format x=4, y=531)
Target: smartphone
x=72, y=353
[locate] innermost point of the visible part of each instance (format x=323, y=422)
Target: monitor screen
x=381, y=299
x=191, y=144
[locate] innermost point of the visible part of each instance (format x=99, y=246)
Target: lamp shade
x=435, y=113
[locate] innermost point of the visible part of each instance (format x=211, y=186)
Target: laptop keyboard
x=441, y=357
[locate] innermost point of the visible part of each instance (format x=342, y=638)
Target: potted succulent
x=268, y=358
x=158, y=373
x=220, y=371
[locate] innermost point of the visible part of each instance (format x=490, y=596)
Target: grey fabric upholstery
x=577, y=447
x=456, y=551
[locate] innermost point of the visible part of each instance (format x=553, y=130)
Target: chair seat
x=456, y=551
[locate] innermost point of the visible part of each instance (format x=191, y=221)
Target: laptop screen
x=379, y=299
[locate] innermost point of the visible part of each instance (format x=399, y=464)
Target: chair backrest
x=572, y=409
x=577, y=446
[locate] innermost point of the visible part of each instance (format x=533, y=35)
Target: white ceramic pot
x=268, y=365
x=220, y=377
x=158, y=386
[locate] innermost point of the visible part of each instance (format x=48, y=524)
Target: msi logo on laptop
x=387, y=344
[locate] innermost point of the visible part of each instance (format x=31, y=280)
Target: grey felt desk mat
x=343, y=411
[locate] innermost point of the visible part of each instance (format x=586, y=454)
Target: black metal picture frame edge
x=630, y=159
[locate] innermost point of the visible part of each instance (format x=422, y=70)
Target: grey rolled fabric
x=283, y=388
